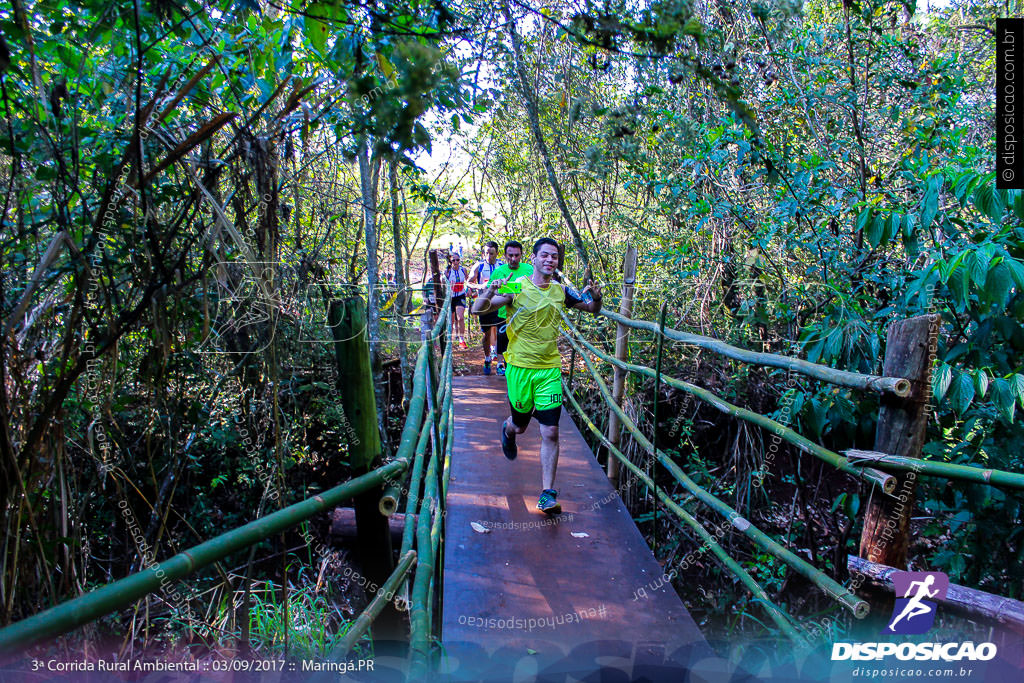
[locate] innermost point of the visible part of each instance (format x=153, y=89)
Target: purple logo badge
x=916, y=596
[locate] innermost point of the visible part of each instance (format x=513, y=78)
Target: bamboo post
x=909, y=351
x=347, y=319
x=621, y=346
x=654, y=441
x=439, y=292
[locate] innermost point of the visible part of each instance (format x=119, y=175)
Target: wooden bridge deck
x=549, y=597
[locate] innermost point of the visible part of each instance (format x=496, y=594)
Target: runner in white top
x=479, y=274
x=456, y=276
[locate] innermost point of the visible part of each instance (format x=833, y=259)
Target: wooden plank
x=529, y=584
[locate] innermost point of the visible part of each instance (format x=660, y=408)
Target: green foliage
x=798, y=178
x=179, y=205
x=311, y=624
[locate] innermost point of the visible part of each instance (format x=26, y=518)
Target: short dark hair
x=541, y=242
x=492, y=243
x=513, y=243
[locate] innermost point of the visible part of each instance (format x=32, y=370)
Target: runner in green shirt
x=513, y=268
x=534, y=363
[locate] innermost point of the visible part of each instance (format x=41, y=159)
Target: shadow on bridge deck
x=529, y=596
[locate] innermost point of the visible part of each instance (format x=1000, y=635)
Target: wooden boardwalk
x=550, y=597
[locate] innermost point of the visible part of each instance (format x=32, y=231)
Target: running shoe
x=547, y=502
x=487, y=366
x=508, y=444
x=501, y=369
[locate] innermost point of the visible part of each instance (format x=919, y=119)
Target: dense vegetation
x=187, y=184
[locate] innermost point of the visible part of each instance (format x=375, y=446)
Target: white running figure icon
x=914, y=608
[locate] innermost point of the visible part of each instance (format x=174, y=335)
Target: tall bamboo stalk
x=412, y=501
x=654, y=441
x=429, y=521
x=419, y=617
x=621, y=350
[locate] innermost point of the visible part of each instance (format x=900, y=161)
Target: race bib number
x=459, y=287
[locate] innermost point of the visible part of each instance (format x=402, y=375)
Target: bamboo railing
x=122, y=593
x=885, y=481
x=855, y=605
x=878, y=469
x=781, y=619
x=427, y=381
x=897, y=386
x=867, y=465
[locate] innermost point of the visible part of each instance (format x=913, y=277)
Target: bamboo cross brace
x=859, y=608
x=885, y=481
x=855, y=380
x=889, y=461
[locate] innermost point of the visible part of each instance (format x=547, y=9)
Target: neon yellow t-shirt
x=504, y=271
x=534, y=323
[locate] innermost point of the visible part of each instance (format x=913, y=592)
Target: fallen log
x=968, y=601
x=343, y=524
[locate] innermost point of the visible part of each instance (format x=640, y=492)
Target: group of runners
x=519, y=305
x=463, y=281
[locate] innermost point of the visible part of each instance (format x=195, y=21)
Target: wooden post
x=909, y=352
x=347, y=319
x=621, y=346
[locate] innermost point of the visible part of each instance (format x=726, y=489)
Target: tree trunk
x=532, y=107
x=401, y=307
x=356, y=389
x=369, y=165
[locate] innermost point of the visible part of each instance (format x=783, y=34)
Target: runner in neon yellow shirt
x=512, y=269
x=534, y=365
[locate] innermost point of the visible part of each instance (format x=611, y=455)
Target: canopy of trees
x=186, y=185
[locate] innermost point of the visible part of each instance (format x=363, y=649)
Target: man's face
x=513, y=255
x=491, y=254
x=546, y=259
x=456, y=261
